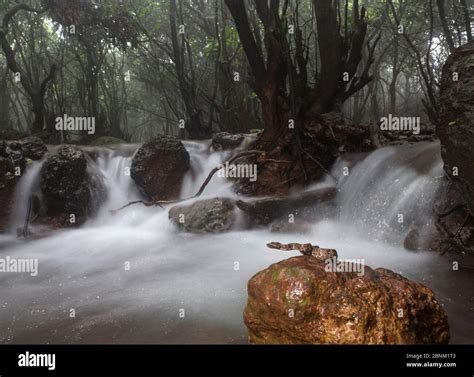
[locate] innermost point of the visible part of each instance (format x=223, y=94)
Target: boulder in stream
x=33, y=147
x=297, y=301
x=214, y=215
x=68, y=188
x=222, y=141
x=158, y=167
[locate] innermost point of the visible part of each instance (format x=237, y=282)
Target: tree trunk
x=4, y=101
x=444, y=23
x=299, y=141
x=194, y=125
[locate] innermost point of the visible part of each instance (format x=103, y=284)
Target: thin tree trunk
x=444, y=23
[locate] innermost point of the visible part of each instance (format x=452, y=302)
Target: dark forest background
x=142, y=67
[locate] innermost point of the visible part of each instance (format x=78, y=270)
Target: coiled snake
x=305, y=249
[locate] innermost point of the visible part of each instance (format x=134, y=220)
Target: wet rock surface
x=223, y=141
x=68, y=188
x=33, y=147
x=456, y=125
x=297, y=302
x=205, y=216
x=158, y=167
x=451, y=228
x=266, y=211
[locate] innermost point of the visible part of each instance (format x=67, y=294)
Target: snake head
x=274, y=245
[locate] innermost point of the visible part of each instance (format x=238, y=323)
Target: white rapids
x=133, y=278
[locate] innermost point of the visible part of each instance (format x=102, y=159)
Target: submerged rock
x=297, y=301
x=68, y=188
x=159, y=166
x=205, y=216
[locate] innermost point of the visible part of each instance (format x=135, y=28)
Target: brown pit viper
x=305, y=249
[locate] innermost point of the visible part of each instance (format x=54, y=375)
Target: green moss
x=275, y=276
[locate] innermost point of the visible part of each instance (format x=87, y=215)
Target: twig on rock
x=201, y=189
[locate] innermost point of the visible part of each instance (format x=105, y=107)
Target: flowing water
x=132, y=277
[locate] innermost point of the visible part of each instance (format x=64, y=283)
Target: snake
x=305, y=249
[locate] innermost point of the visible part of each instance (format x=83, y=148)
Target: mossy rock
x=107, y=140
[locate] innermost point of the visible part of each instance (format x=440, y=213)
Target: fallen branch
x=201, y=189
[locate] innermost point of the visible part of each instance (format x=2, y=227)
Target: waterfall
x=27, y=186
x=128, y=276
x=390, y=190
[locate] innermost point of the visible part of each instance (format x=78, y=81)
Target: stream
x=183, y=288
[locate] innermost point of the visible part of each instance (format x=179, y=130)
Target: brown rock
x=159, y=166
x=297, y=302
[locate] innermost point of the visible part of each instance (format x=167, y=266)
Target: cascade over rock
x=68, y=188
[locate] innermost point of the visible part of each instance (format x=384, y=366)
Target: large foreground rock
x=205, y=216
x=297, y=302
x=159, y=166
x=68, y=188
